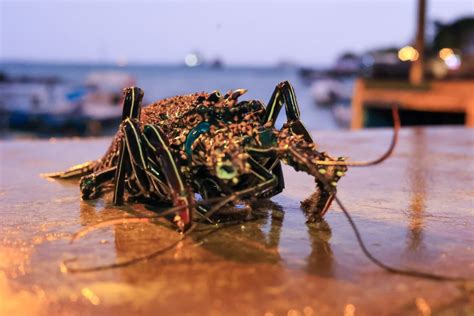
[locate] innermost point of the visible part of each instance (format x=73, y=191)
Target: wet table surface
x=415, y=210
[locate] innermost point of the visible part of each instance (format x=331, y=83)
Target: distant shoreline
x=108, y=64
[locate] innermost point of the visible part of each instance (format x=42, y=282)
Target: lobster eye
x=226, y=171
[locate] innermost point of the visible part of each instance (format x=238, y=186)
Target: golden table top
x=415, y=210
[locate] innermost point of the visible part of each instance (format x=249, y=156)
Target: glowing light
x=408, y=53
x=63, y=268
x=423, y=306
x=293, y=312
x=308, y=311
x=453, y=61
x=349, y=310
x=445, y=53
x=191, y=60
x=87, y=293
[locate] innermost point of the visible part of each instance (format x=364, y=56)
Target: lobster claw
x=318, y=204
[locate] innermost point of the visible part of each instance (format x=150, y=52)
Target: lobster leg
x=141, y=178
x=92, y=184
x=303, y=155
x=301, y=151
x=122, y=169
x=265, y=176
x=285, y=94
x=138, y=161
x=132, y=103
x=180, y=193
x=131, y=110
x=157, y=181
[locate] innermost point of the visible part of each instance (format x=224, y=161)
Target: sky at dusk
x=239, y=32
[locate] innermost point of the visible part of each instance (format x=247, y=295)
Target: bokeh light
x=191, y=60
x=408, y=53
x=445, y=53
x=453, y=61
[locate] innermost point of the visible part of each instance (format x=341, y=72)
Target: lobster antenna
x=388, y=268
x=388, y=153
x=408, y=272
x=65, y=263
x=128, y=262
x=127, y=220
x=124, y=220
x=138, y=219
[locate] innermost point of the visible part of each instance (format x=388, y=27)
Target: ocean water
x=165, y=81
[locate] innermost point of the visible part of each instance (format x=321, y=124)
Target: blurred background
x=63, y=64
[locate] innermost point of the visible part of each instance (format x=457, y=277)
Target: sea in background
x=159, y=81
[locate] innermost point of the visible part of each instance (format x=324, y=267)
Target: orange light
x=87, y=293
x=408, y=53
x=349, y=310
x=446, y=53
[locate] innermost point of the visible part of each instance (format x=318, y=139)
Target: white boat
x=58, y=107
x=328, y=91
x=104, y=99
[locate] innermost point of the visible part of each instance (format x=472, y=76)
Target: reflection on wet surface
x=320, y=260
x=251, y=241
x=417, y=172
x=241, y=239
x=408, y=210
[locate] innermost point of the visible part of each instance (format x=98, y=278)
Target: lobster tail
x=73, y=172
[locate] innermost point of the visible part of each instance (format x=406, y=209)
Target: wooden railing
x=434, y=96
